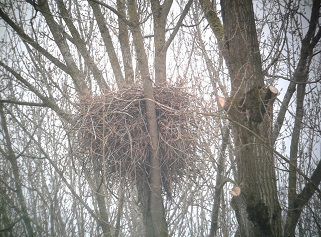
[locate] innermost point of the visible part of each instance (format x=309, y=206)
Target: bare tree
x=254, y=110
x=257, y=208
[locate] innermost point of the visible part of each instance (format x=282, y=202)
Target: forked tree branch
x=46, y=101
x=30, y=41
x=121, y=16
x=302, y=69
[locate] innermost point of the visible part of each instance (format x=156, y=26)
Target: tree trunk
x=124, y=43
x=103, y=212
x=60, y=39
x=81, y=46
x=157, y=224
x=159, y=17
x=102, y=25
x=300, y=201
x=219, y=182
x=247, y=111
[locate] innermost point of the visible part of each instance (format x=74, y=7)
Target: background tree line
x=229, y=56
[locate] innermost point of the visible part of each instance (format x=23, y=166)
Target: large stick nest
x=113, y=130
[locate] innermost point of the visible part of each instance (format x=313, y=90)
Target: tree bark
x=292, y=189
x=102, y=25
x=101, y=202
x=239, y=46
x=219, y=182
x=81, y=46
x=124, y=43
x=157, y=226
x=258, y=210
x=60, y=40
x=300, y=201
x=160, y=13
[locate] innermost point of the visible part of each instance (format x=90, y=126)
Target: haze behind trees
x=251, y=71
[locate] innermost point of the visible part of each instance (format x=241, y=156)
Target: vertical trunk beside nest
x=143, y=192
x=251, y=124
x=156, y=225
x=257, y=180
x=156, y=207
x=257, y=209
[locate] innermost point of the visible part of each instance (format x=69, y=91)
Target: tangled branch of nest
x=112, y=129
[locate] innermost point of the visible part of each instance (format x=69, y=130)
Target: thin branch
x=73, y=70
x=81, y=46
x=104, y=31
x=30, y=41
x=302, y=69
x=47, y=101
x=23, y=103
x=292, y=80
x=121, y=16
x=179, y=23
